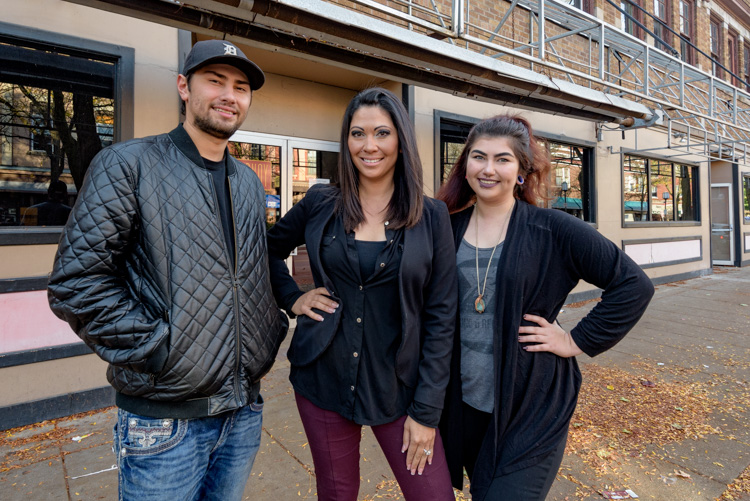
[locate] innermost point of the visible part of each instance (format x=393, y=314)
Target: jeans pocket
x=257, y=406
x=142, y=436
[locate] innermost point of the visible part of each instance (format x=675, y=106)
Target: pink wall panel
x=26, y=323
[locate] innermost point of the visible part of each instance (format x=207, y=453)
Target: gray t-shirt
x=477, y=371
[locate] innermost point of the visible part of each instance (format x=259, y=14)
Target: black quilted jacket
x=143, y=276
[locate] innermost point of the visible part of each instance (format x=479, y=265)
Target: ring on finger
x=427, y=452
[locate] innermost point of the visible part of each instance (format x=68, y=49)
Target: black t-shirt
x=356, y=375
x=218, y=172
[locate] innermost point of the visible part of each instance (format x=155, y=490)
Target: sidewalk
x=664, y=413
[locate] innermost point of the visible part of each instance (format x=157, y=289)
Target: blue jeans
x=187, y=459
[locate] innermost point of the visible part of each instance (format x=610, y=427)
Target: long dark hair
x=533, y=161
x=405, y=206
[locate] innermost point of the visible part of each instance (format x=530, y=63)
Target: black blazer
x=427, y=284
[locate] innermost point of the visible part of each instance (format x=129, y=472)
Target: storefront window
x=57, y=111
x=635, y=189
x=265, y=161
x=573, y=177
x=657, y=190
x=662, y=191
x=453, y=134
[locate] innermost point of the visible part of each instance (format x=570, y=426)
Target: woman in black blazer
x=373, y=340
x=514, y=377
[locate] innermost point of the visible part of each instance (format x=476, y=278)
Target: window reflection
x=265, y=161
x=57, y=112
x=657, y=190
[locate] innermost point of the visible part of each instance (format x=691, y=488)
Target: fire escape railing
x=539, y=34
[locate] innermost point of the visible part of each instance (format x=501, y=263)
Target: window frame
x=588, y=177
x=438, y=118
x=124, y=126
x=660, y=30
x=629, y=26
x=716, y=46
x=686, y=20
x=648, y=175
x=733, y=56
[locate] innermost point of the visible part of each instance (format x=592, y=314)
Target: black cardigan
x=427, y=285
x=546, y=253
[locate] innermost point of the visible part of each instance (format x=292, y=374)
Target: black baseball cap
x=223, y=52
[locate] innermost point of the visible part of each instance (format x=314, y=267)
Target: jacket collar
x=185, y=144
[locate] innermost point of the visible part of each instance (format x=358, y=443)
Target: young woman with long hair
x=516, y=265
x=373, y=339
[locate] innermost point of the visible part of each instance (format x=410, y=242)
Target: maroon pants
x=334, y=444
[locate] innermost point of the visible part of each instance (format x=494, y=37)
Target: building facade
x=642, y=104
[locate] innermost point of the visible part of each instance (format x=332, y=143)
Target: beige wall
x=26, y=260
x=26, y=383
x=156, y=101
x=298, y=108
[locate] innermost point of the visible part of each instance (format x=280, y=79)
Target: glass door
x=287, y=167
x=264, y=156
x=311, y=163
x=722, y=232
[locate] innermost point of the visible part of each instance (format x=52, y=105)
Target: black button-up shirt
x=356, y=375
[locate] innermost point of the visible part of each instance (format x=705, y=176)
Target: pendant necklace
x=479, y=305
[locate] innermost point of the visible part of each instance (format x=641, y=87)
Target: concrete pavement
x=664, y=413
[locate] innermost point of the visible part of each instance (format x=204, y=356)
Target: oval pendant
x=479, y=304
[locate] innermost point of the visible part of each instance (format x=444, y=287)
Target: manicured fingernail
x=525, y=348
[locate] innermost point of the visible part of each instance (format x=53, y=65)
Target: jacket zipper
x=236, y=296
x=235, y=282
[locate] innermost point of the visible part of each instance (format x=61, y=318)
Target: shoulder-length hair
x=533, y=161
x=405, y=206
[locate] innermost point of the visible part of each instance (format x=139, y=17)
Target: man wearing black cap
x=162, y=271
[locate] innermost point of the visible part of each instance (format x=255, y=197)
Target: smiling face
x=373, y=143
x=217, y=99
x=492, y=169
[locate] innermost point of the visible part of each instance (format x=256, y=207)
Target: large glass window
x=453, y=134
x=635, y=189
x=658, y=190
x=572, y=171
x=265, y=161
x=57, y=110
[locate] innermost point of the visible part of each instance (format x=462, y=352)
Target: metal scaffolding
x=515, y=52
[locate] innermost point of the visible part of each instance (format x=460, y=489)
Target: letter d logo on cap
x=230, y=50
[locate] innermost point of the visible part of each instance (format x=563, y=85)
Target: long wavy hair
x=533, y=160
x=405, y=206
